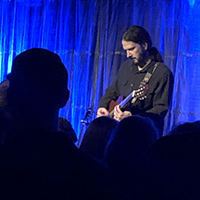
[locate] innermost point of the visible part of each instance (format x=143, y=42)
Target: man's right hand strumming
x=102, y=112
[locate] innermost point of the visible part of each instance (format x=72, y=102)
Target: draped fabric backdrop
x=87, y=36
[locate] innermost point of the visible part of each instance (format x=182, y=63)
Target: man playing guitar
x=144, y=60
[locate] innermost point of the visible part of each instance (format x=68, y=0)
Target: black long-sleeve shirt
x=160, y=88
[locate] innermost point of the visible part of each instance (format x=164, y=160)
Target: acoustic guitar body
x=113, y=103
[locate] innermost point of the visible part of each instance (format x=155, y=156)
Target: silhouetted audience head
x=172, y=165
x=97, y=136
x=130, y=141
x=127, y=145
x=65, y=126
x=38, y=86
x=5, y=118
x=185, y=128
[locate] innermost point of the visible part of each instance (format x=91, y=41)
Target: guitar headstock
x=141, y=92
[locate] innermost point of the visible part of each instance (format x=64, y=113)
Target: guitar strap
x=146, y=79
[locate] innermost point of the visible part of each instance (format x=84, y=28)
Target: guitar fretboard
x=127, y=99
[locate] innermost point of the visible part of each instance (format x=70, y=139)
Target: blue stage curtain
x=87, y=36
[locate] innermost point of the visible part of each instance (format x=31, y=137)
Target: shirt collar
x=146, y=69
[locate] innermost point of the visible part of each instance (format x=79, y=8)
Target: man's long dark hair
x=139, y=35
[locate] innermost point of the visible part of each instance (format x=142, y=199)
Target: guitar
x=134, y=95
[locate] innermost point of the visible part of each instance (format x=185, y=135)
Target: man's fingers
x=102, y=112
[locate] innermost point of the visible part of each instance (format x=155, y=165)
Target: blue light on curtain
x=87, y=36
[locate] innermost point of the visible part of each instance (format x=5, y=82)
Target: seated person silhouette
x=38, y=161
x=126, y=147
x=171, y=167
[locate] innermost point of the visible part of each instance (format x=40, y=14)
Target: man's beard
x=141, y=60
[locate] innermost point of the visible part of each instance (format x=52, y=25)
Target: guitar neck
x=127, y=99
x=124, y=102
